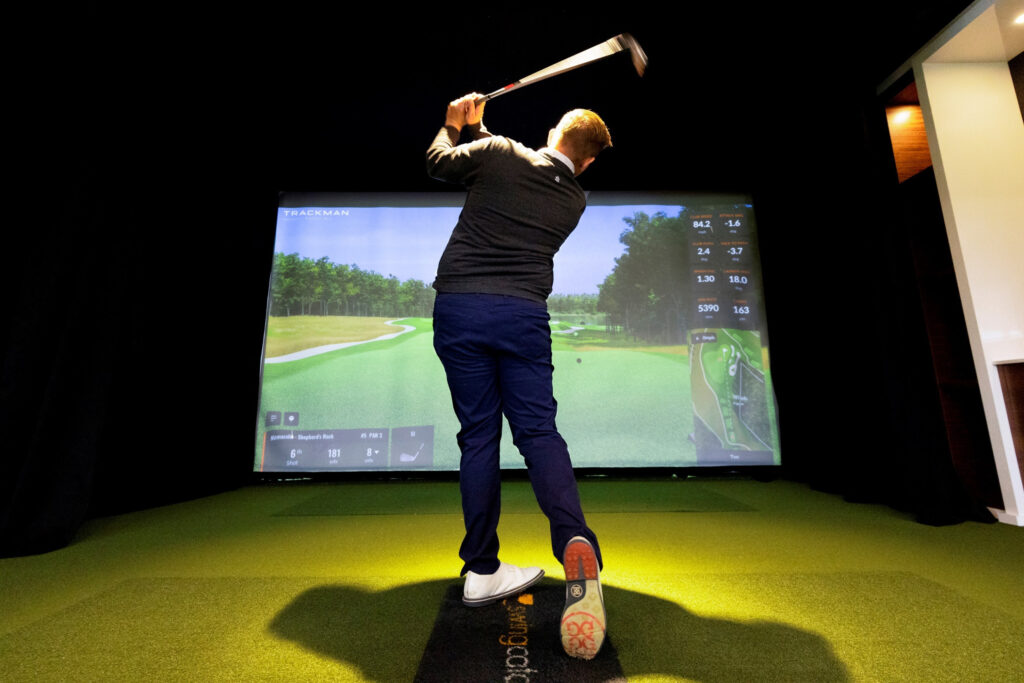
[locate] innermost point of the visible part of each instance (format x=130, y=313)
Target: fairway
x=617, y=407
x=300, y=332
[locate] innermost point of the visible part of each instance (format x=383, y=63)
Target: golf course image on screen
x=656, y=365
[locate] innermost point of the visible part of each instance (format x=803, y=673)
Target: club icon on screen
x=291, y=419
x=412, y=446
x=411, y=457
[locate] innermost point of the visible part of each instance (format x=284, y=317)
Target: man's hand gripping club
x=465, y=111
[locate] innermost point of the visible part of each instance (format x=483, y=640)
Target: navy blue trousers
x=496, y=352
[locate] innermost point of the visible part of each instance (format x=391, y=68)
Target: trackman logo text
x=309, y=213
x=515, y=641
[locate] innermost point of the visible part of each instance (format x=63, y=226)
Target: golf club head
x=636, y=53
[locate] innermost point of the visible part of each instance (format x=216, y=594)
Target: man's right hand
x=464, y=111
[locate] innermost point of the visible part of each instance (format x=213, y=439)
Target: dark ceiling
x=318, y=97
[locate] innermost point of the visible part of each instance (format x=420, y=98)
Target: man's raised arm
x=443, y=158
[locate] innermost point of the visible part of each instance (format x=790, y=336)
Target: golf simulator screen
x=657, y=332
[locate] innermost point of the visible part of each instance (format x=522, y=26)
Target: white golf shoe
x=483, y=589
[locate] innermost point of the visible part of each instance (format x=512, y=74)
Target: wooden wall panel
x=909, y=140
x=1011, y=376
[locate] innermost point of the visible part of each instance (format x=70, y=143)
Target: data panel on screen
x=657, y=331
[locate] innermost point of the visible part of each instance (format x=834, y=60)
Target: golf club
x=621, y=42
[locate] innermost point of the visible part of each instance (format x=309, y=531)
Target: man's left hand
x=464, y=111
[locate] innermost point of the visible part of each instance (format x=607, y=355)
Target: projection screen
x=657, y=326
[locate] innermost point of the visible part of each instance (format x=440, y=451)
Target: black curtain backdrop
x=137, y=262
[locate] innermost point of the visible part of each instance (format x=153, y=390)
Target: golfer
x=492, y=334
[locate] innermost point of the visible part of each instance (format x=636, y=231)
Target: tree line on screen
x=305, y=286
x=647, y=292
x=575, y=304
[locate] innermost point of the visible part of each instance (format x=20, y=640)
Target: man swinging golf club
x=492, y=334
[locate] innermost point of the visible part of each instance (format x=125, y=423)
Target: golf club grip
x=500, y=91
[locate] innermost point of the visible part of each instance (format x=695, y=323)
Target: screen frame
x=455, y=199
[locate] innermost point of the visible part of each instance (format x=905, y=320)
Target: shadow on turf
x=383, y=634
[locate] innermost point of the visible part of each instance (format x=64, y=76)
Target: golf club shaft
x=605, y=49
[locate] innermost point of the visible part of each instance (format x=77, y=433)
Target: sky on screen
x=407, y=241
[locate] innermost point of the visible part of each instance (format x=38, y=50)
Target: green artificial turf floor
x=705, y=580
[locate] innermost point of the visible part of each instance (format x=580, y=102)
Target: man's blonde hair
x=584, y=133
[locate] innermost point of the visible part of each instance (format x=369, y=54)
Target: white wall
x=976, y=137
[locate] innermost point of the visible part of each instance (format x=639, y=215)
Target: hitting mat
x=441, y=498
x=513, y=640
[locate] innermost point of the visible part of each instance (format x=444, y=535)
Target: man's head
x=580, y=135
